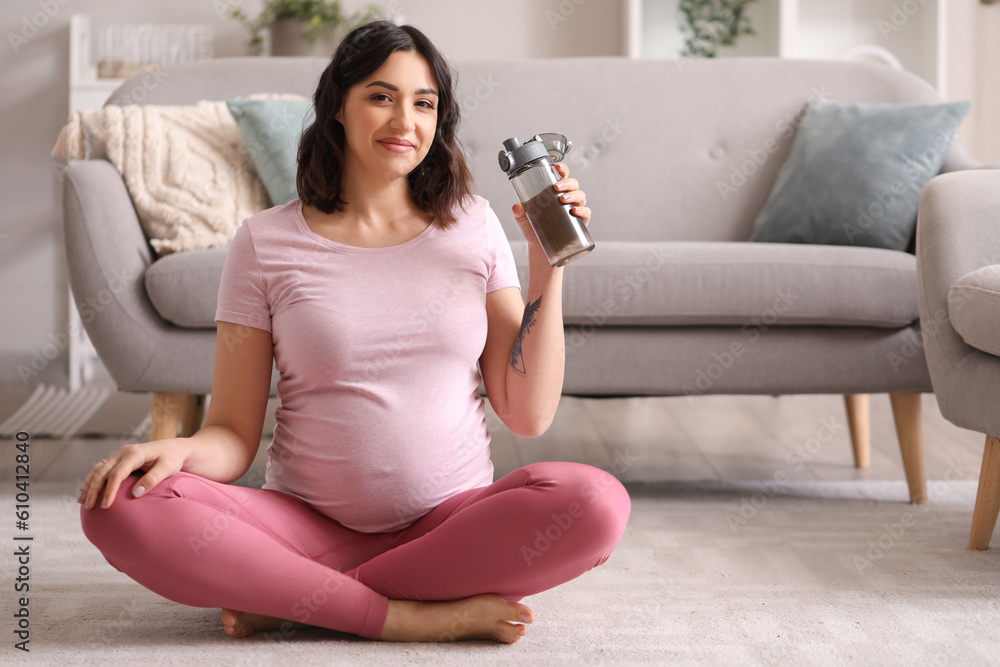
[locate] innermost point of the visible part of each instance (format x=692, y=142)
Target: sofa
x=673, y=300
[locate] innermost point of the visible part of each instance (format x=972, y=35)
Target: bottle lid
x=515, y=154
x=556, y=144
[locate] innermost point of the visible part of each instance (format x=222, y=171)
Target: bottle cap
x=516, y=155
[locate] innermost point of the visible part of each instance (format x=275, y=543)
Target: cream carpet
x=814, y=574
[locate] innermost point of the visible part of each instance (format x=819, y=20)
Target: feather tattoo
x=516, y=356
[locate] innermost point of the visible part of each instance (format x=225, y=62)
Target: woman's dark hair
x=439, y=182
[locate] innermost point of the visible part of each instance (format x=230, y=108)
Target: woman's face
x=390, y=118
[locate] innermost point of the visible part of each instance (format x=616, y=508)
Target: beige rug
x=808, y=574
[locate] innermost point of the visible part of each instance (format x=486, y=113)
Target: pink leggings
x=208, y=544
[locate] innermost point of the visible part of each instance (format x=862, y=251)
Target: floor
x=638, y=439
x=687, y=585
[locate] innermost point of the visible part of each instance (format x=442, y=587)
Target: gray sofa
x=672, y=301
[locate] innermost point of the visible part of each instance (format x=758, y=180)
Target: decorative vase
x=288, y=39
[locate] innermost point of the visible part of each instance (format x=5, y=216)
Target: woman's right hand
x=160, y=459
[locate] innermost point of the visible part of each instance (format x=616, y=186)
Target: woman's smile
x=396, y=145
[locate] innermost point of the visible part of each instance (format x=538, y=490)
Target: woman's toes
x=511, y=632
x=522, y=614
x=229, y=621
x=235, y=624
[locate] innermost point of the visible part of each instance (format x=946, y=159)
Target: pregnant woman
x=375, y=293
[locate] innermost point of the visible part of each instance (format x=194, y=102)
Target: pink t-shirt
x=380, y=418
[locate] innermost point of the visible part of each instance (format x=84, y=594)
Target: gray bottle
x=532, y=173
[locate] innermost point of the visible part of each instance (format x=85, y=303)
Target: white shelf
x=86, y=91
x=873, y=30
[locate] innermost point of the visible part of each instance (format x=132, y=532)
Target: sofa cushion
x=736, y=283
x=184, y=286
x=855, y=173
x=623, y=283
x=974, y=308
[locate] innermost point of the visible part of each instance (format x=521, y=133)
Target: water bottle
x=531, y=169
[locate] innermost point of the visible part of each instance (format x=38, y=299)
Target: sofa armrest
x=956, y=234
x=107, y=254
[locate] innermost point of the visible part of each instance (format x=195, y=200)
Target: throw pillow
x=855, y=173
x=189, y=174
x=271, y=130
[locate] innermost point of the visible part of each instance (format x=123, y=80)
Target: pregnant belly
x=378, y=486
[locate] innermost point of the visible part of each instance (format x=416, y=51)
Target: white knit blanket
x=187, y=169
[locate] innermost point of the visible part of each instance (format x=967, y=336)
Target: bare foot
x=241, y=624
x=485, y=616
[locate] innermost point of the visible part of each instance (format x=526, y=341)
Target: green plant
x=709, y=24
x=320, y=14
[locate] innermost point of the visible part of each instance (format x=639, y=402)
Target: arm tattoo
x=516, y=357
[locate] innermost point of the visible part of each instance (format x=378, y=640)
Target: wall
x=973, y=52
x=34, y=76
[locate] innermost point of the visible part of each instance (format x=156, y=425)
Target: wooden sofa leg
x=907, y=411
x=984, y=517
x=173, y=410
x=858, y=421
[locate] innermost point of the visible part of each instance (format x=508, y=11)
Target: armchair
x=958, y=286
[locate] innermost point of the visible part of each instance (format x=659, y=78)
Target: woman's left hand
x=570, y=193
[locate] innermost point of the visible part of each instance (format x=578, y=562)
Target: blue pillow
x=271, y=129
x=855, y=173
